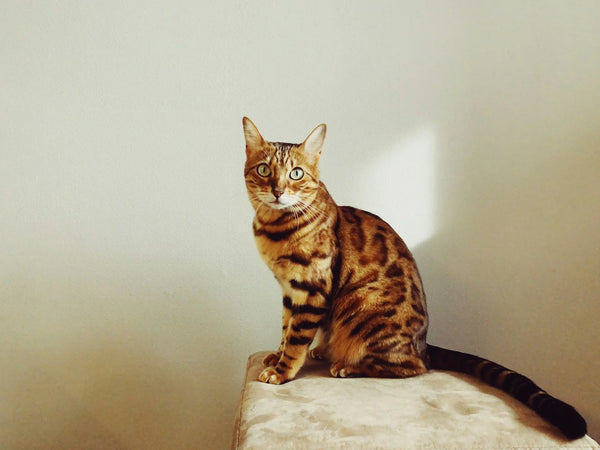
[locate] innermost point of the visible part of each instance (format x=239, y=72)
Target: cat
x=347, y=273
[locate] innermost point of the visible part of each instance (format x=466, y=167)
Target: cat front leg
x=273, y=358
x=305, y=316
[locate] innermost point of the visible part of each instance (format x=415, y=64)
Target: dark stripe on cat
x=286, y=216
x=386, y=363
x=296, y=259
x=287, y=303
x=350, y=215
x=388, y=312
x=336, y=264
x=319, y=255
x=401, y=299
x=309, y=309
x=402, y=249
x=413, y=323
x=418, y=307
x=303, y=309
x=382, y=251
x=291, y=358
x=362, y=324
x=306, y=325
x=491, y=372
x=350, y=318
x=284, y=147
x=357, y=237
x=417, y=303
x=368, y=278
x=378, y=347
x=415, y=292
x=311, y=288
x=350, y=310
x=357, y=234
x=299, y=340
x=394, y=270
x=283, y=364
x=376, y=329
x=275, y=236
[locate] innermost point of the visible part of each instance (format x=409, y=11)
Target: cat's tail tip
x=565, y=418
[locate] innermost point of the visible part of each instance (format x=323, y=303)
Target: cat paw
x=271, y=359
x=340, y=370
x=271, y=376
x=337, y=370
x=317, y=353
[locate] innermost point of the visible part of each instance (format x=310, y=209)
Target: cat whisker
x=305, y=209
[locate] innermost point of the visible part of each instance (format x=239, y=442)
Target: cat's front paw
x=272, y=359
x=271, y=376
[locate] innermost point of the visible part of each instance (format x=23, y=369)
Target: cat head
x=280, y=175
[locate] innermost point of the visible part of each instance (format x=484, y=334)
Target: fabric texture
x=437, y=410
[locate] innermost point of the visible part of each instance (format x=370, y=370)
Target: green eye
x=296, y=173
x=263, y=170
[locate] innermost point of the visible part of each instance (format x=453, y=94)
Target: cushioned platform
x=438, y=410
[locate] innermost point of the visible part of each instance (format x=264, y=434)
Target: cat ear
x=254, y=140
x=314, y=142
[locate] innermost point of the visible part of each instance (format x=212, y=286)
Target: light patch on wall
x=399, y=186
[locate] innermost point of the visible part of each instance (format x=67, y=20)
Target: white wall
x=131, y=289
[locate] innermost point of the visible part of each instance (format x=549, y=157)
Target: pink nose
x=277, y=192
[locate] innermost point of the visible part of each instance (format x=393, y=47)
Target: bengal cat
x=347, y=273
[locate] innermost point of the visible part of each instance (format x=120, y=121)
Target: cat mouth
x=278, y=203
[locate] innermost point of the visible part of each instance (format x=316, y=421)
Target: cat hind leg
x=320, y=350
x=342, y=370
x=378, y=368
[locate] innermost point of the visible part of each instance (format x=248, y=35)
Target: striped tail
x=557, y=412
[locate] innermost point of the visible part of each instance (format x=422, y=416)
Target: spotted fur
x=345, y=272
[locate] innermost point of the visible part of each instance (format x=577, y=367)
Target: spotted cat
x=346, y=272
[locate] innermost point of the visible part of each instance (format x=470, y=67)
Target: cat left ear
x=254, y=140
x=314, y=142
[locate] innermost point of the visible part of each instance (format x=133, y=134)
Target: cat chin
x=279, y=205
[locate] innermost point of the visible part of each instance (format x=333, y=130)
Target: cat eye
x=296, y=173
x=263, y=170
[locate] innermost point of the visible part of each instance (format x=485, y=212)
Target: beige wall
x=131, y=290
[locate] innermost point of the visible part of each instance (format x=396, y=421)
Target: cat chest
x=295, y=260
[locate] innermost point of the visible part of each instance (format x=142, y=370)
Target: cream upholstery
x=438, y=410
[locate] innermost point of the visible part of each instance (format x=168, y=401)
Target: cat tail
x=558, y=413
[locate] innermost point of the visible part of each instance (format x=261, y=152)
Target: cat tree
x=438, y=410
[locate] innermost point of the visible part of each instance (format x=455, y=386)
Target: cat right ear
x=253, y=138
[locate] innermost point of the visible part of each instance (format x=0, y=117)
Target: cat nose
x=277, y=192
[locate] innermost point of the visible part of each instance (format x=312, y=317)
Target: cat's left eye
x=296, y=173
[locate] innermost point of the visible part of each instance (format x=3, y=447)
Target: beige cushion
x=438, y=410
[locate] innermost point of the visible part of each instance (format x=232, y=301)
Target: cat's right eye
x=263, y=170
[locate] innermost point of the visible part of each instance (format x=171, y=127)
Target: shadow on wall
x=400, y=186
